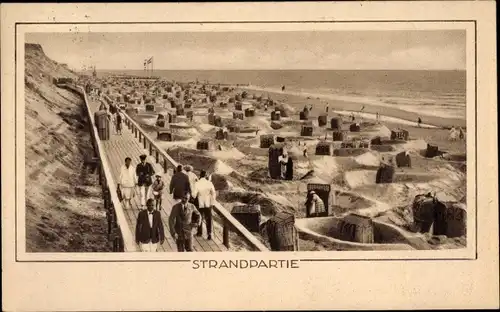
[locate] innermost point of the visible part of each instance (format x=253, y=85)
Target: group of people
x=116, y=118
x=194, y=199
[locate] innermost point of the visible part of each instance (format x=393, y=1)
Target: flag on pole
x=145, y=63
x=150, y=60
x=362, y=108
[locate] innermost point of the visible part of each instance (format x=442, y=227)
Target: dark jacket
x=289, y=169
x=182, y=222
x=144, y=174
x=144, y=233
x=179, y=185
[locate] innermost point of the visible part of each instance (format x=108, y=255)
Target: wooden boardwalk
x=117, y=148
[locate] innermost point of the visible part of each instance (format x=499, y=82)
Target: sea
x=427, y=92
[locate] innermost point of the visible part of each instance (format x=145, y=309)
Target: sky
x=343, y=50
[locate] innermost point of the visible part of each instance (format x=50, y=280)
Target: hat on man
x=143, y=157
x=188, y=168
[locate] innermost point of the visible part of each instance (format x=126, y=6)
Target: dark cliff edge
x=64, y=210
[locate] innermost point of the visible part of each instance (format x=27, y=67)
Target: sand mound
x=263, y=124
x=368, y=159
x=232, y=153
x=294, y=150
x=415, y=145
x=383, y=131
x=186, y=132
x=190, y=143
x=198, y=160
x=206, y=127
x=357, y=178
x=325, y=168
x=220, y=182
x=180, y=125
x=220, y=167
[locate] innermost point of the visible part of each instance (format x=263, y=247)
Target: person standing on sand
x=314, y=205
x=179, y=184
x=327, y=108
x=205, y=196
x=283, y=160
x=184, y=217
x=377, y=117
x=419, y=122
x=126, y=182
x=149, y=230
x=144, y=172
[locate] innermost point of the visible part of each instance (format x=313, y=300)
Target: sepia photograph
x=246, y=141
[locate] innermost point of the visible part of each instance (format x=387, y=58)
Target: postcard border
x=248, y=22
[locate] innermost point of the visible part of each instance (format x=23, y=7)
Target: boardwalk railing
x=167, y=162
x=118, y=230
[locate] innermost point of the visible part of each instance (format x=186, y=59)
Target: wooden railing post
x=225, y=235
x=135, y=132
x=105, y=194
x=140, y=135
x=156, y=156
x=150, y=149
x=165, y=167
x=145, y=142
x=109, y=218
x=101, y=174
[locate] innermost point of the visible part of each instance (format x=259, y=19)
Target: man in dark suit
x=149, y=228
x=179, y=184
x=183, y=219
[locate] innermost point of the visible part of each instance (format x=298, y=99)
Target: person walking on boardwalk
x=119, y=120
x=127, y=182
x=149, y=230
x=419, y=122
x=179, y=184
x=157, y=189
x=184, y=217
x=188, y=169
x=205, y=194
x=144, y=172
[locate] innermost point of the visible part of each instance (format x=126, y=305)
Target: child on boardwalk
x=157, y=189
